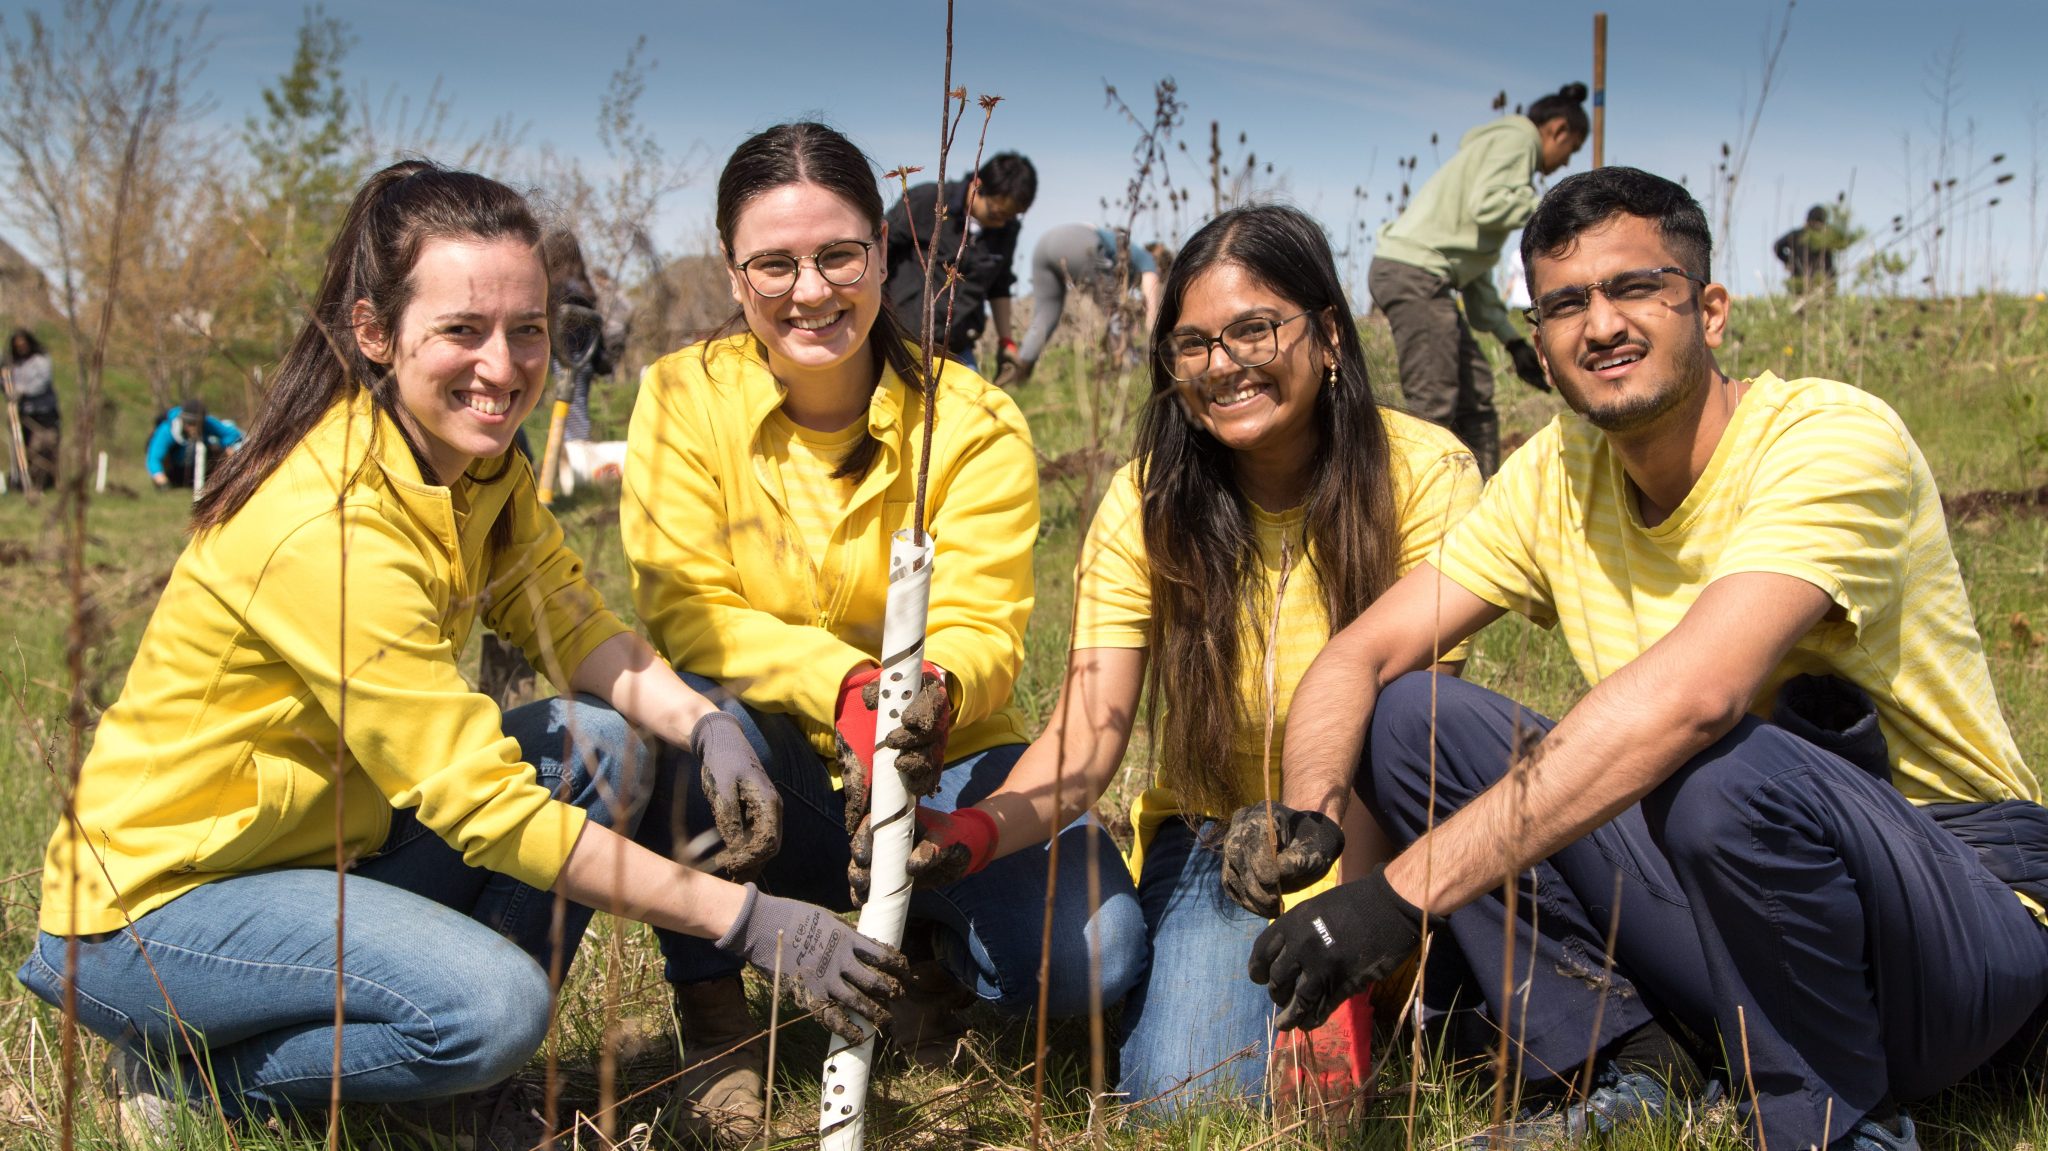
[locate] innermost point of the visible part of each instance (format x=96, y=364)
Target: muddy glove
x=1255, y=876
x=830, y=968
x=744, y=803
x=919, y=737
x=1528, y=364
x=947, y=846
x=1332, y=947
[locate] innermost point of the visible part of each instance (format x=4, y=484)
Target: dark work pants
x=1444, y=376
x=1770, y=893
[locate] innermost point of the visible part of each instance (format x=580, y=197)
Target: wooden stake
x=1599, y=89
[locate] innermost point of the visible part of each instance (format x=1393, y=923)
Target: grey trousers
x=1444, y=375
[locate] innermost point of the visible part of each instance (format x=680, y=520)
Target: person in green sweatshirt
x=1446, y=242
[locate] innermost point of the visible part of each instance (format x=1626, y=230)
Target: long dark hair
x=392, y=217
x=806, y=152
x=23, y=336
x=1207, y=579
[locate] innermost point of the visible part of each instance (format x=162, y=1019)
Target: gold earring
x=1330, y=377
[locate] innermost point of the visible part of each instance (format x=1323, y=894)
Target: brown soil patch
x=1993, y=502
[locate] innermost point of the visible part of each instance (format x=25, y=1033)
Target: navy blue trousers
x=1768, y=892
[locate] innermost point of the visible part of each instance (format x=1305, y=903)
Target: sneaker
x=506, y=1117
x=1871, y=1135
x=719, y=1097
x=927, y=1022
x=1621, y=1099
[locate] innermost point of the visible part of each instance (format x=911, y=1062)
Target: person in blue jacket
x=171, y=456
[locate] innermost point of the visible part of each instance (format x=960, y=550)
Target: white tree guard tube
x=199, y=466
x=843, y=1111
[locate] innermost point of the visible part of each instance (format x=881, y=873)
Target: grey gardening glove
x=829, y=967
x=744, y=803
x=1528, y=364
x=1255, y=875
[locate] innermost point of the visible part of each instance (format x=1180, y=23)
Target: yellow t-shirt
x=1435, y=481
x=805, y=460
x=1813, y=479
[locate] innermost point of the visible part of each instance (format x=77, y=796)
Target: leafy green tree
x=306, y=162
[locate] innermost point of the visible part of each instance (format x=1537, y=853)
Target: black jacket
x=983, y=264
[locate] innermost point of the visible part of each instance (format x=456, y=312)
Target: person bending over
x=1445, y=243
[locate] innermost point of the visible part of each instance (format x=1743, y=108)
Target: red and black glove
x=947, y=846
x=919, y=736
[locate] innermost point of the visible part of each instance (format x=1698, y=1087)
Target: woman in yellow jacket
x=765, y=471
x=298, y=683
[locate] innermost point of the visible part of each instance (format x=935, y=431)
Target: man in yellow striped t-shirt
x=1789, y=797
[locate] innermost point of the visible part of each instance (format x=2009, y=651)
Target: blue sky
x=1330, y=92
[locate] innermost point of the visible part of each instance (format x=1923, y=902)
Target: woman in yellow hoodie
x=765, y=471
x=295, y=709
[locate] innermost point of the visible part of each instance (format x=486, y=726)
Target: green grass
x=1970, y=378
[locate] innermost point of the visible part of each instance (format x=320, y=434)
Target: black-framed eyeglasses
x=1250, y=343
x=1629, y=291
x=773, y=274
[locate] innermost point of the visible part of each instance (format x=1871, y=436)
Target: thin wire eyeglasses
x=1627, y=291
x=773, y=275
x=1250, y=343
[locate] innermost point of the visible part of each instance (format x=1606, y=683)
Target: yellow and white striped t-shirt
x=1813, y=479
x=1435, y=481
x=805, y=459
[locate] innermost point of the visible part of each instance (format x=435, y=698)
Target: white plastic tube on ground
x=844, y=1094
x=198, y=466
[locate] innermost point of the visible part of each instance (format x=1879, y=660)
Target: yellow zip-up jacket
x=724, y=580
x=219, y=757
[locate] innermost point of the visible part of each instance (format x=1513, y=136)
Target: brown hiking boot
x=718, y=1096
x=926, y=1023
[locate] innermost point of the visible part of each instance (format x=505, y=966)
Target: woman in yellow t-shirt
x=296, y=705
x=1268, y=488
x=766, y=469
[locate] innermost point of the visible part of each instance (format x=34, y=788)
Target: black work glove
x=1254, y=875
x=744, y=803
x=840, y=974
x=1528, y=364
x=1332, y=947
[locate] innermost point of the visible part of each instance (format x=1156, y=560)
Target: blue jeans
x=1198, y=1030
x=989, y=925
x=1773, y=899
x=444, y=965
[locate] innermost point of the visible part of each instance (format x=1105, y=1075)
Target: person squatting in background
x=173, y=453
x=337, y=566
x=766, y=471
x=1445, y=243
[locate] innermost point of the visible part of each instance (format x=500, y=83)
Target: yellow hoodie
x=219, y=757
x=723, y=578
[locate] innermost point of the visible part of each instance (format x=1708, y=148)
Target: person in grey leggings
x=1085, y=257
